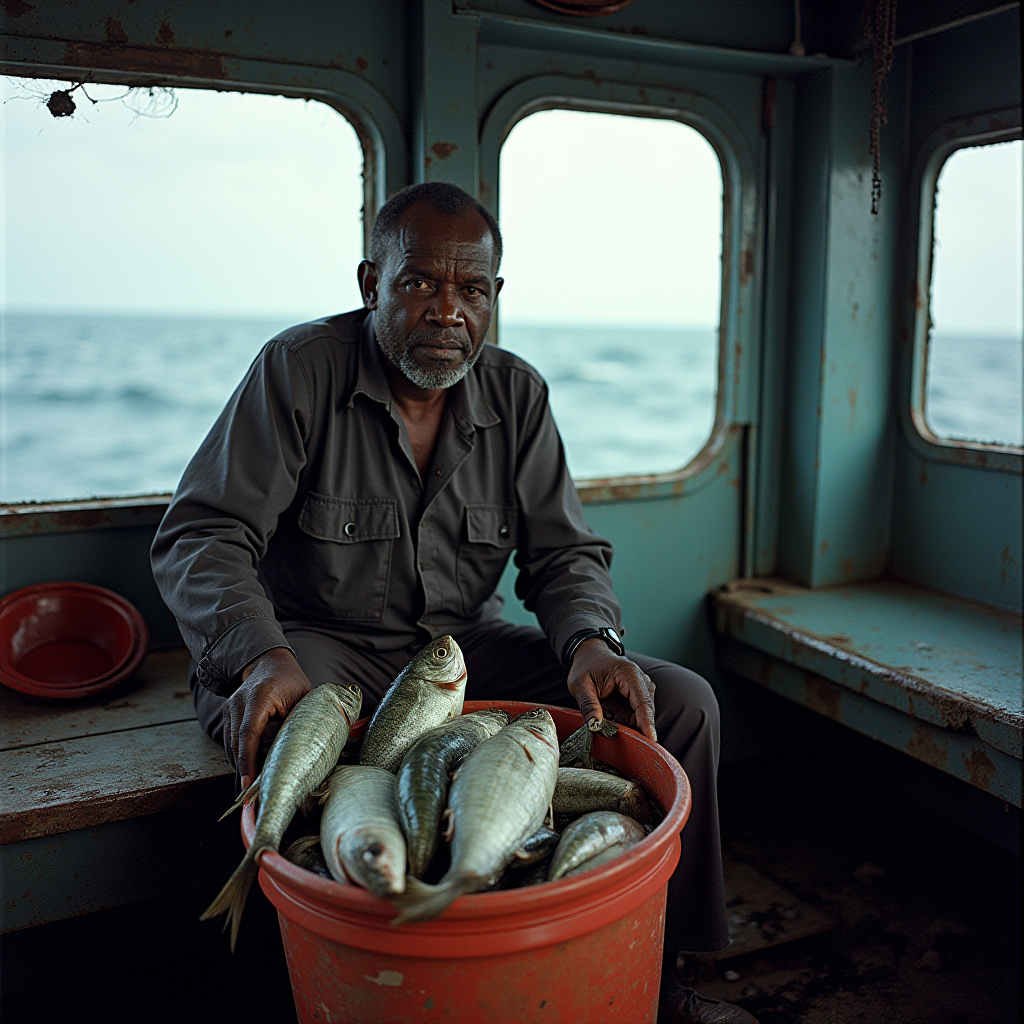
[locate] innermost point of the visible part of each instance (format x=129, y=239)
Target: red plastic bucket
x=579, y=950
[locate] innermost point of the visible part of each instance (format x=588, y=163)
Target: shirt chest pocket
x=352, y=541
x=489, y=538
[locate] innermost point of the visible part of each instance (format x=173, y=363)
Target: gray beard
x=399, y=352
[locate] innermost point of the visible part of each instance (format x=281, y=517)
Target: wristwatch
x=606, y=633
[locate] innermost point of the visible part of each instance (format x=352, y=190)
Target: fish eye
x=441, y=652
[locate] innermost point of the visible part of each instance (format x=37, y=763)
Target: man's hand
x=599, y=675
x=271, y=686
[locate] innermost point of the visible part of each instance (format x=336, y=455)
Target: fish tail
x=245, y=797
x=423, y=902
x=231, y=899
x=301, y=845
x=634, y=805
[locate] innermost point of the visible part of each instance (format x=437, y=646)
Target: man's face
x=433, y=298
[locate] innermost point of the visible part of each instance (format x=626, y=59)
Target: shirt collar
x=468, y=406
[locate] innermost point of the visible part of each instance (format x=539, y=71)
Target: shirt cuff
x=559, y=635
x=220, y=667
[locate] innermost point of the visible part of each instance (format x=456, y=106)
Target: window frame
x=738, y=335
x=962, y=133
x=384, y=165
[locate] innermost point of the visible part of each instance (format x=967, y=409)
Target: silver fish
x=579, y=791
x=359, y=832
x=423, y=778
x=498, y=800
x=427, y=692
x=305, y=853
x=575, y=751
x=305, y=749
x=591, y=835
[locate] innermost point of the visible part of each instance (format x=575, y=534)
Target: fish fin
x=636, y=806
x=231, y=899
x=606, y=727
x=245, y=797
x=447, y=825
x=423, y=902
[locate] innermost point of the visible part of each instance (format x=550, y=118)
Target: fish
x=360, y=833
x=590, y=836
x=579, y=791
x=427, y=692
x=305, y=853
x=575, y=751
x=498, y=800
x=424, y=775
x=305, y=749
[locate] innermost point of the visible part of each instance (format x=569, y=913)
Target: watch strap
x=608, y=635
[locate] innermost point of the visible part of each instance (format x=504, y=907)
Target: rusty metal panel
x=957, y=753
x=82, y=871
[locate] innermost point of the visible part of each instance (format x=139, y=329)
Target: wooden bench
x=110, y=799
x=932, y=675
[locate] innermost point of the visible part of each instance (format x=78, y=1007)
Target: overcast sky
x=250, y=205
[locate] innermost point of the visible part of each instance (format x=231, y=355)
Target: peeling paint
x=924, y=747
x=980, y=768
x=165, y=36
x=119, y=57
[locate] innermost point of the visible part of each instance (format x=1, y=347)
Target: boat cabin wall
x=814, y=469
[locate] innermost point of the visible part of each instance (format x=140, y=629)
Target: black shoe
x=681, y=1005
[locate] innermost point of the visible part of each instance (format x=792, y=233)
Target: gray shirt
x=304, y=508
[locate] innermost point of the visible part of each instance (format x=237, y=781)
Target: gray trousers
x=508, y=662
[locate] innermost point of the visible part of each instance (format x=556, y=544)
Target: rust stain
x=746, y=266
x=822, y=696
x=443, y=150
x=855, y=311
x=590, y=74
x=362, y=64
x=118, y=57
x=839, y=640
x=980, y=769
x=824, y=546
x=115, y=31
x=924, y=747
x=846, y=566
x=16, y=8
x=165, y=36
x=851, y=394
x=642, y=93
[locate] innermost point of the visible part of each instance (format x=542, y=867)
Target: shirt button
x=503, y=533
x=438, y=472
x=350, y=529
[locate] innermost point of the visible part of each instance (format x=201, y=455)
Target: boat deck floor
x=924, y=924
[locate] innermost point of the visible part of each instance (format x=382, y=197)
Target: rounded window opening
x=613, y=268
x=974, y=374
x=154, y=241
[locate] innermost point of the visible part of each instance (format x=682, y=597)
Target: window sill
x=33, y=520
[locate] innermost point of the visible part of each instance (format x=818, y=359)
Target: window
x=613, y=240
x=153, y=242
x=974, y=380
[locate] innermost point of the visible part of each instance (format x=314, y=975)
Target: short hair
x=442, y=196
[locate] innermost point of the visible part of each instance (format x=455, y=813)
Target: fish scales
x=580, y=790
x=498, y=800
x=423, y=778
x=428, y=691
x=360, y=833
x=305, y=749
x=590, y=836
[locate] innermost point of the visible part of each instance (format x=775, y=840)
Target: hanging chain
x=880, y=30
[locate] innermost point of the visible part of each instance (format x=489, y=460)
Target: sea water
x=116, y=405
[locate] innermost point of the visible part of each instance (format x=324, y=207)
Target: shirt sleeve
x=564, y=567
x=208, y=547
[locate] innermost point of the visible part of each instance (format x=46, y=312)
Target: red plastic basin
x=69, y=639
x=580, y=950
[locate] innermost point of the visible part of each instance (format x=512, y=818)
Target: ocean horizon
x=97, y=404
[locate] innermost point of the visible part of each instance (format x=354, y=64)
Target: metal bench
x=109, y=800
x=934, y=676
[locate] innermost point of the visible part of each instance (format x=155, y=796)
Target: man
x=360, y=495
